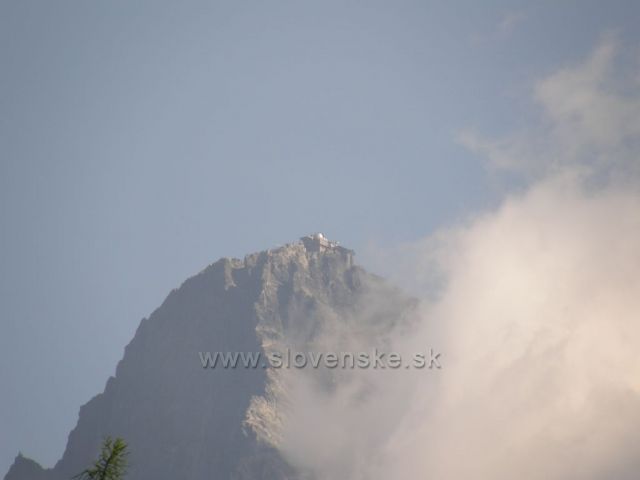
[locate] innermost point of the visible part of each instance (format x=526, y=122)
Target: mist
x=534, y=306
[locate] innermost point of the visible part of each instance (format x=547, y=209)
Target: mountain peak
x=184, y=421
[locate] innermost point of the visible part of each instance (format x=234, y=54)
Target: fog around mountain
x=480, y=158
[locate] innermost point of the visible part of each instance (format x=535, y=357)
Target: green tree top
x=111, y=464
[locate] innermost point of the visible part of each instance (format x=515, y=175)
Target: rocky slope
x=187, y=422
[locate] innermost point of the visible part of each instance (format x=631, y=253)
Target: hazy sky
x=140, y=141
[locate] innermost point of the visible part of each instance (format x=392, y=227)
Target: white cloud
x=538, y=323
x=536, y=318
x=589, y=117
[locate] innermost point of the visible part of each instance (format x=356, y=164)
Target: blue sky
x=141, y=142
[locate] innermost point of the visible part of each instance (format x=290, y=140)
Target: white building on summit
x=317, y=242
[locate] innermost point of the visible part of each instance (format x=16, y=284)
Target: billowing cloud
x=538, y=323
x=536, y=316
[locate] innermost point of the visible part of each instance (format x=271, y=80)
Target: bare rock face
x=183, y=421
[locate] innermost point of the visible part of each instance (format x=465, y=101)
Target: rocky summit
x=183, y=421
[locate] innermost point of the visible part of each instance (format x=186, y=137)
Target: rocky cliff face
x=183, y=421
